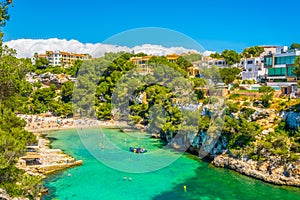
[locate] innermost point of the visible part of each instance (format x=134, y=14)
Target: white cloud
x=207, y=53
x=27, y=47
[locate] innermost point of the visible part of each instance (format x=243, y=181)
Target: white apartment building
x=61, y=58
x=253, y=68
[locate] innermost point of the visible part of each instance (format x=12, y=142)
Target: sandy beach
x=41, y=124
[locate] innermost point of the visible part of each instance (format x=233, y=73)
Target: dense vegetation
x=296, y=69
x=13, y=138
x=145, y=94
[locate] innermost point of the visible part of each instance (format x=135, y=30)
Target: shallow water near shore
x=95, y=180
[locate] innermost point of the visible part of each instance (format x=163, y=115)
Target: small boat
x=137, y=150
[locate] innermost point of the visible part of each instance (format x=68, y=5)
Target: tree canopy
x=295, y=46
x=4, y=17
x=229, y=74
x=252, y=51
x=231, y=57
x=216, y=55
x=13, y=138
x=296, y=69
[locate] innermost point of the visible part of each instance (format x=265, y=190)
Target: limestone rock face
x=62, y=78
x=291, y=118
x=267, y=171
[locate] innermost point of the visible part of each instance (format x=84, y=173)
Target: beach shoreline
x=40, y=124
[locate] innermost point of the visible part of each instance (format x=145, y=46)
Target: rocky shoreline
x=41, y=160
x=265, y=171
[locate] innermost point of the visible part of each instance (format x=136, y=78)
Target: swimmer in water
x=124, y=178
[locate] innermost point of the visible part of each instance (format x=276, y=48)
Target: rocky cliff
x=291, y=118
x=271, y=172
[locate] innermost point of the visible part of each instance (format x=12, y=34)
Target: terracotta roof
x=172, y=56
x=65, y=53
x=42, y=55
x=140, y=58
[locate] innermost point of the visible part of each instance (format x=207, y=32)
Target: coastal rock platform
x=42, y=160
x=266, y=171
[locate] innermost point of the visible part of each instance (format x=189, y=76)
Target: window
x=268, y=61
x=249, y=62
x=276, y=71
x=285, y=60
x=290, y=71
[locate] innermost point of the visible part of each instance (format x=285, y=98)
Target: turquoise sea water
x=95, y=180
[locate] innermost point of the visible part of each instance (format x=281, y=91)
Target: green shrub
x=248, y=81
x=235, y=86
x=246, y=103
x=295, y=148
x=135, y=119
x=233, y=107
x=293, y=157
x=206, y=101
x=255, y=104
x=234, y=96
x=247, y=112
x=255, y=157
x=267, y=145
x=37, y=84
x=214, y=100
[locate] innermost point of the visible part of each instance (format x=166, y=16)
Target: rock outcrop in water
x=271, y=172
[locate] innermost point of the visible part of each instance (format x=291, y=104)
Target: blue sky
x=216, y=24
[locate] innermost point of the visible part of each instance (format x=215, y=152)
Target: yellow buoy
x=184, y=187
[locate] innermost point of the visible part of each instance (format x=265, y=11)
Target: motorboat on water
x=137, y=150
